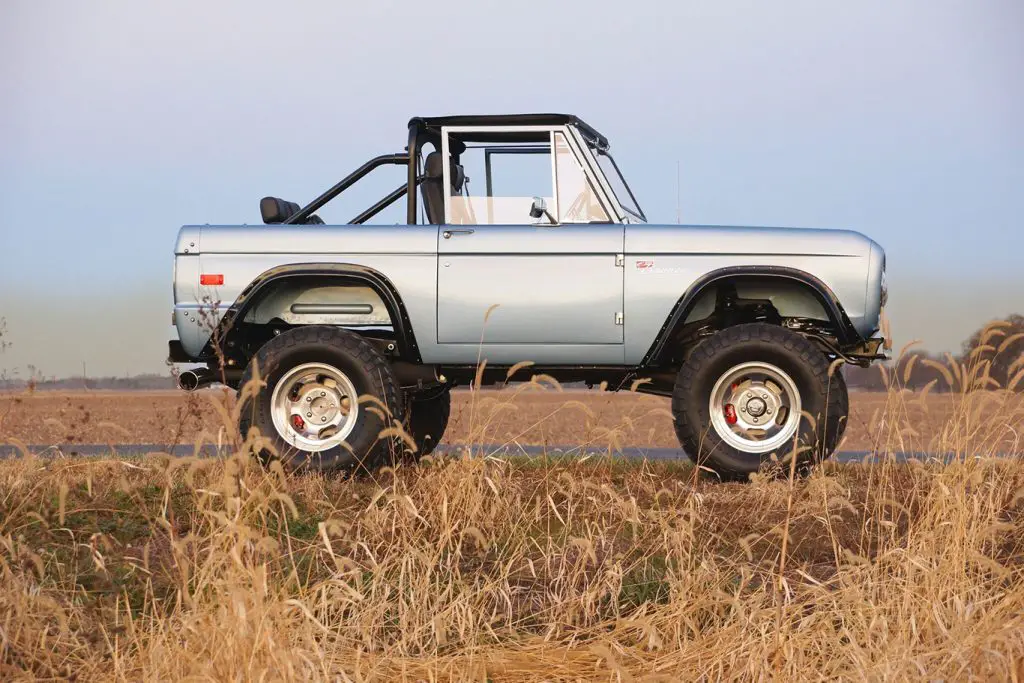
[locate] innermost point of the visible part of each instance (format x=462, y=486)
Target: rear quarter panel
x=406, y=255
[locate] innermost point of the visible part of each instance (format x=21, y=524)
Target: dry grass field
x=490, y=570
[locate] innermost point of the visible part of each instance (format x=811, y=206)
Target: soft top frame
x=433, y=124
x=424, y=129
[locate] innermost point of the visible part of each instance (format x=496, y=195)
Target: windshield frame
x=592, y=150
x=639, y=213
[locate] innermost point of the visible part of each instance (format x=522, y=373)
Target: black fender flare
x=349, y=272
x=845, y=332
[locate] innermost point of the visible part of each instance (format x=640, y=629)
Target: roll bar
x=347, y=182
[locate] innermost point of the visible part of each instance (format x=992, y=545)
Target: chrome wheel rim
x=755, y=407
x=314, y=407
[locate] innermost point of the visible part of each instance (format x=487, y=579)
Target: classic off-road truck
x=523, y=242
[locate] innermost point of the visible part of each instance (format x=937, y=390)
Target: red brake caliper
x=298, y=422
x=730, y=409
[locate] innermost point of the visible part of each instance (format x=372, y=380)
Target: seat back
x=432, y=187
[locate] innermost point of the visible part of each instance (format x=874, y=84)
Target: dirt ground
x=526, y=416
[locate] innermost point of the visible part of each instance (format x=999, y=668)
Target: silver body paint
x=587, y=294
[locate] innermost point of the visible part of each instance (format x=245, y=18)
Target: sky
x=121, y=121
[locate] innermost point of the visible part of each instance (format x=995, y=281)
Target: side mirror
x=540, y=208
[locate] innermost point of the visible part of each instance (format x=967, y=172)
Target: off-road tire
x=364, y=450
x=822, y=396
x=838, y=386
x=426, y=417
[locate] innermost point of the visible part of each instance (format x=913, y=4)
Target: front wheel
x=746, y=393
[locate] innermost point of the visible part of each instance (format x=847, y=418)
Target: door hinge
x=618, y=317
x=620, y=260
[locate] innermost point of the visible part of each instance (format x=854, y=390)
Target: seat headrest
x=433, y=169
x=276, y=210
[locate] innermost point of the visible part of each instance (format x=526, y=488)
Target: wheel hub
x=322, y=403
x=755, y=407
x=313, y=407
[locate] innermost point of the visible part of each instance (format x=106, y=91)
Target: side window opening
x=500, y=181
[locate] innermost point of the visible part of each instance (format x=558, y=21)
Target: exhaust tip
x=190, y=380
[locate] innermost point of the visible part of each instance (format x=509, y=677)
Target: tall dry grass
x=549, y=569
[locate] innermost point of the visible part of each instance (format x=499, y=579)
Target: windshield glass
x=618, y=183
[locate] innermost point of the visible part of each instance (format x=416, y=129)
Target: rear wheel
x=328, y=396
x=741, y=395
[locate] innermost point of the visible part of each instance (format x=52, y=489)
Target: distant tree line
x=992, y=358
x=144, y=382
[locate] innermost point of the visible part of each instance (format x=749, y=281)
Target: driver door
x=540, y=283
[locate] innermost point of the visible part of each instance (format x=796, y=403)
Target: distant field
x=528, y=416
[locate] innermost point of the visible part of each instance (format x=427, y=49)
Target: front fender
x=846, y=333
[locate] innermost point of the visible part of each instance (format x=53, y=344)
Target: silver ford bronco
x=523, y=242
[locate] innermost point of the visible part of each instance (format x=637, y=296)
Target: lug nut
x=743, y=409
x=754, y=419
x=308, y=399
x=309, y=414
x=323, y=393
x=323, y=419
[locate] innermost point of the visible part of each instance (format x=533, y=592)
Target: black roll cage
x=350, y=180
x=422, y=131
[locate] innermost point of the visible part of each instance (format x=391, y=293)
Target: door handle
x=447, y=234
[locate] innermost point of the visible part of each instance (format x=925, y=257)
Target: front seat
x=432, y=188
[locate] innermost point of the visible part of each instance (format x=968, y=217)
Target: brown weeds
x=480, y=568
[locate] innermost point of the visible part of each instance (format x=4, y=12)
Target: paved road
x=632, y=453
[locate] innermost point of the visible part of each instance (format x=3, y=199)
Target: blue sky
x=123, y=120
